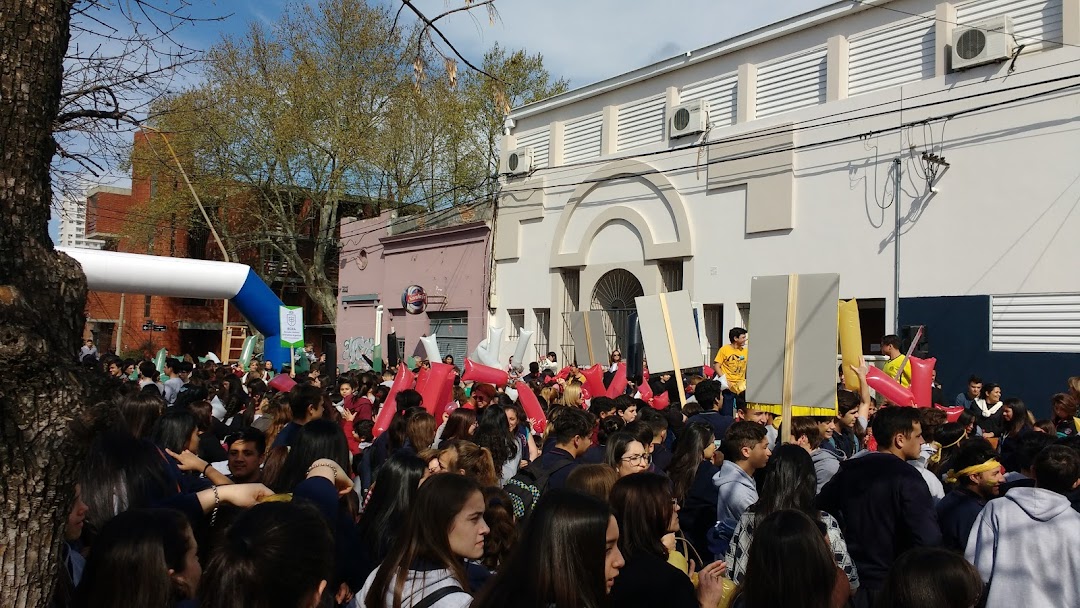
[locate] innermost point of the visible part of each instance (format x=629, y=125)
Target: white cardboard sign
x=679, y=322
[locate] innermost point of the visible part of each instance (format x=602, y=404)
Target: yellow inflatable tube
x=850, y=341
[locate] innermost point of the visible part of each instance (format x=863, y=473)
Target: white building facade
x=73, y=221
x=810, y=123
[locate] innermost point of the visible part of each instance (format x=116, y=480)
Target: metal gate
x=452, y=331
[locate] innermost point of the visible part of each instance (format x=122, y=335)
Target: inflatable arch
x=185, y=278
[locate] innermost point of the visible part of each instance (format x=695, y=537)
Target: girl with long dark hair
x=314, y=440
x=140, y=411
x=787, y=482
x=493, y=433
x=1016, y=419
x=691, y=472
x=142, y=558
x=793, y=543
x=460, y=425
x=568, y=557
x=444, y=528
x=391, y=496
x=274, y=554
x=176, y=430
x=646, y=512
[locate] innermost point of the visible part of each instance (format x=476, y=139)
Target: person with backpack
x=571, y=431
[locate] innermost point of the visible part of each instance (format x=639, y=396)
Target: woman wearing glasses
x=626, y=454
x=646, y=511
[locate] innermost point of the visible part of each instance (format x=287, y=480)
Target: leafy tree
x=45, y=397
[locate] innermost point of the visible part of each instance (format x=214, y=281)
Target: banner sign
x=292, y=326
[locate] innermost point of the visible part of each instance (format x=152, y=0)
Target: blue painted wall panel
x=959, y=336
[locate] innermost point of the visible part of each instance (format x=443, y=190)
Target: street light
x=213, y=232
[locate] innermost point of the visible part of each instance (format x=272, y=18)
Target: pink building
x=446, y=253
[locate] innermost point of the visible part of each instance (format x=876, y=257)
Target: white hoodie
x=1025, y=546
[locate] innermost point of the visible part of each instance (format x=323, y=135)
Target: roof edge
x=791, y=25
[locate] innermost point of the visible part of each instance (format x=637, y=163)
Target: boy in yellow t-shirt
x=730, y=362
x=890, y=347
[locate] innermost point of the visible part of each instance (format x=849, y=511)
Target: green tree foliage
x=320, y=116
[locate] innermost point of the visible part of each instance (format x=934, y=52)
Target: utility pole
x=213, y=232
x=896, y=246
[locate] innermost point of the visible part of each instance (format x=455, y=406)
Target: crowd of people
x=210, y=488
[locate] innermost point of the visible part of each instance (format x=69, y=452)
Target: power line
x=813, y=123
x=817, y=144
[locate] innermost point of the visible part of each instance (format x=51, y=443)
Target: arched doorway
x=614, y=295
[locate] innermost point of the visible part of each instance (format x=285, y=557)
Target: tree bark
x=42, y=294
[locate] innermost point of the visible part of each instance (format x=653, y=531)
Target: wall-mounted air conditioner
x=982, y=42
x=689, y=118
x=518, y=162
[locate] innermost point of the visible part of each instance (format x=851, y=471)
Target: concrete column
x=509, y=144
x=837, y=69
x=673, y=99
x=747, y=103
x=609, y=132
x=943, y=29
x=1070, y=22
x=555, y=144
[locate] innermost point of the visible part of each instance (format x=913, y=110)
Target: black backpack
x=528, y=485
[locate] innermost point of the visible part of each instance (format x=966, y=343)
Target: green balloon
x=247, y=351
x=376, y=358
x=159, y=360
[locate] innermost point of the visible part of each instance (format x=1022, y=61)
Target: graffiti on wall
x=355, y=350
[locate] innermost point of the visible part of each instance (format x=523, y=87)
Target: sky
x=584, y=41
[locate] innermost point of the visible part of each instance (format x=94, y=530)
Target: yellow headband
x=975, y=469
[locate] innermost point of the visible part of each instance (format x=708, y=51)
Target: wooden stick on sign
x=292, y=361
x=789, y=358
x=588, y=340
x=674, y=352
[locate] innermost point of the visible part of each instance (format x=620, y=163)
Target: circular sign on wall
x=414, y=300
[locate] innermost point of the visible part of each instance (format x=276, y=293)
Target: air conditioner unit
x=689, y=118
x=983, y=42
x=518, y=162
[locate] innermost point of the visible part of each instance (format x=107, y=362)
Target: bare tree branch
x=429, y=26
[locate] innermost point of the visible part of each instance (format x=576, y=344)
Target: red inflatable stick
x=661, y=401
x=645, y=389
x=433, y=388
x=422, y=378
x=594, y=379
x=952, y=413
x=708, y=371
x=403, y=380
x=618, y=383
x=922, y=380
x=475, y=372
x=532, y=408
x=889, y=388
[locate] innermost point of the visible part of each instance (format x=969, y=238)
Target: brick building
x=122, y=218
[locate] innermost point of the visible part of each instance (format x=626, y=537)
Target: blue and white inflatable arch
x=185, y=278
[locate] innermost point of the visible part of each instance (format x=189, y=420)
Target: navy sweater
x=884, y=508
x=957, y=513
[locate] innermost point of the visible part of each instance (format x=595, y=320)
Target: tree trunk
x=42, y=294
